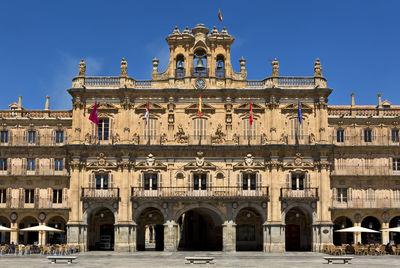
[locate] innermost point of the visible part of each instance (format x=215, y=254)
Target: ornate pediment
x=298, y=163
x=101, y=163
x=249, y=163
x=205, y=108
x=293, y=108
x=245, y=108
x=104, y=107
x=200, y=163
x=150, y=163
x=153, y=108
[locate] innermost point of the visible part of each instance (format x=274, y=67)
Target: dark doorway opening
x=298, y=233
x=101, y=230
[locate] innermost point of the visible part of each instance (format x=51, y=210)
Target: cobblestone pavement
x=177, y=259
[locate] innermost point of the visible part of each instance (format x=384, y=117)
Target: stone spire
x=82, y=68
x=20, y=102
x=47, y=105
x=317, y=68
x=275, y=67
x=155, y=65
x=124, y=68
x=242, y=64
x=353, y=103
x=380, y=100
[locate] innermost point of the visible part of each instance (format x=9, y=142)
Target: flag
x=200, y=105
x=251, y=115
x=219, y=15
x=147, y=114
x=93, y=115
x=299, y=115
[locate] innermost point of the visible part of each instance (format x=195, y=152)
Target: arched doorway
x=101, y=229
x=200, y=229
x=4, y=236
x=371, y=223
x=394, y=236
x=28, y=238
x=150, y=230
x=53, y=237
x=298, y=233
x=249, y=234
x=340, y=238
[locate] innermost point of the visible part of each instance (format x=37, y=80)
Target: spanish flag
x=200, y=105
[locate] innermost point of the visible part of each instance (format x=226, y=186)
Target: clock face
x=200, y=84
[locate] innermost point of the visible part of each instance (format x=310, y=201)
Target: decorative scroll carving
x=180, y=136
x=219, y=135
x=101, y=163
x=151, y=163
x=249, y=163
x=135, y=138
x=200, y=162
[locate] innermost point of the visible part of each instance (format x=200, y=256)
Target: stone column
x=125, y=237
x=357, y=236
x=275, y=215
x=274, y=237
x=74, y=223
x=385, y=234
x=229, y=236
x=14, y=233
x=324, y=195
x=170, y=236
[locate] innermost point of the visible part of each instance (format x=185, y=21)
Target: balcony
x=350, y=170
x=99, y=194
x=360, y=140
x=18, y=202
x=196, y=72
x=40, y=140
x=357, y=203
x=304, y=194
x=219, y=73
x=19, y=171
x=214, y=192
x=180, y=73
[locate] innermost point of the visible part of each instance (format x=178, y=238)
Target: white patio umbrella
x=41, y=229
x=394, y=229
x=5, y=229
x=356, y=229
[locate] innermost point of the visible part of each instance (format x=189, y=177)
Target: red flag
x=200, y=105
x=219, y=15
x=93, y=115
x=147, y=114
x=251, y=115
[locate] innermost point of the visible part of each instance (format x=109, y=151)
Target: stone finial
x=242, y=64
x=186, y=31
x=353, y=103
x=19, y=101
x=82, y=68
x=379, y=100
x=214, y=31
x=155, y=64
x=176, y=31
x=224, y=31
x=47, y=105
x=275, y=67
x=317, y=68
x=124, y=68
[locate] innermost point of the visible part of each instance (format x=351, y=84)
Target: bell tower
x=200, y=54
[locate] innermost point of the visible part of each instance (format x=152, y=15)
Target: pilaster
x=229, y=236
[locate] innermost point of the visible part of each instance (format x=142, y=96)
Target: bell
x=200, y=65
x=219, y=66
x=180, y=65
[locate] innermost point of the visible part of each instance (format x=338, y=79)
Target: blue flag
x=299, y=115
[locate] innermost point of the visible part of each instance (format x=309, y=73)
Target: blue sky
x=41, y=42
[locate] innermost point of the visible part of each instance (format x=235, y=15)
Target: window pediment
x=293, y=108
x=104, y=107
x=155, y=166
x=204, y=165
x=245, y=108
x=205, y=108
x=101, y=163
x=153, y=108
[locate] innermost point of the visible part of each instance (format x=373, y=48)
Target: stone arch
x=98, y=206
x=150, y=219
x=214, y=209
x=256, y=207
x=304, y=208
x=339, y=238
x=5, y=236
x=28, y=237
x=374, y=216
x=49, y=217
x=249, y=220
x=146, y=205
x=20, y=219
x=58, y=222
x=374, y=223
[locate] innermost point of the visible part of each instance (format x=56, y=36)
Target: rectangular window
x=59, y=136
x=340, y=135
x=395, y=135
x=58, y=164
x=396, y=194
x=367, y=135
x=249, y=181
x=296, y=129
x=101, y=181
x=3, y=164
x=396, y=164
x=4, y=136
x=103, y=129
x=200, y=128
x=57, y=196
x=297, y=181
x=30, y=164
x=150, y=129
x=249, y=132
x=150, y=181
x=341, y=195
x=199, y=181
x=29, y=196
x=3, y=196
x=370, y=194
x=31, y=137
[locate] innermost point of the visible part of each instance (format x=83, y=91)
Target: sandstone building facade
x=181, y=181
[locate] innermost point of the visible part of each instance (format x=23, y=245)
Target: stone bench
x=199, y=260
x=345, y=260
x=55, y=258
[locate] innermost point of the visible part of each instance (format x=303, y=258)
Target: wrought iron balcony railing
x=361, y=140
x=18, y=202
x=296, y=194
x=212, y=192
x=102, y=193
